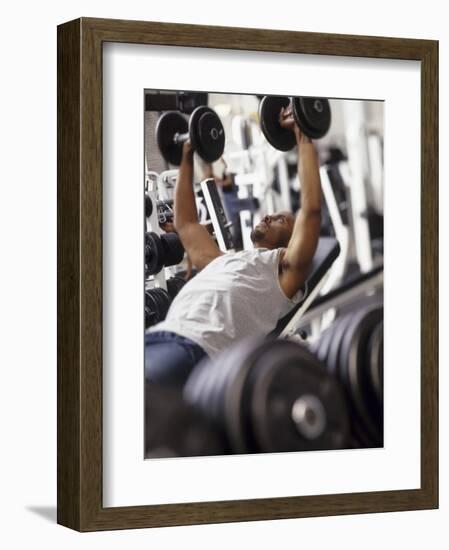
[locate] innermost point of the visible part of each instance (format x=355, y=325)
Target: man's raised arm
x=298, y=257
x=194, y=237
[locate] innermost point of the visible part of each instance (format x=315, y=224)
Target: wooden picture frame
x=80, y=274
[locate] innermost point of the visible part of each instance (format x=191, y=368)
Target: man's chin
x=256, y=236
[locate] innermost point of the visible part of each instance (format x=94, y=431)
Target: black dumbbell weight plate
x=168, y=126
x=207, y=134
x=174, y=285
x=148, y=206
x=164, y=302
x=334, y=362
x=150, y=317
x=269, y=110
x=226, y=391
x=333, y=353
x=154, y=254
x=376, y=361
x=151, y=314
x=153, y=304
x=354, y=372
x=157, y=303
x=216, y=389
x=237, y=362
x=173, y=249
x=165, y=298
x=313, y=115
x=295, y=404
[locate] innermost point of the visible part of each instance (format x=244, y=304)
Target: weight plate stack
x=333, y=352
x=205, y=390
x=355, y=372
x=313, y=115
x=154, y=254
x=352, y=349
x=277, y=136
x=168, y=126
x=157, y=302
x=174, y=285
x=295, y=405
x=173, y=250
x=173, y=428
x=270, y=396
x=150, y=317
x=207, y=134
x=376, y=361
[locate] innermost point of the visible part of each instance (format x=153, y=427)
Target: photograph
x=236, y=342
x=263, y=255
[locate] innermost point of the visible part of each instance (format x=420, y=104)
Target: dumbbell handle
x=317, y=104
x=180, y=138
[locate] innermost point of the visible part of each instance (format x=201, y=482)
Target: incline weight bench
x=325, y=255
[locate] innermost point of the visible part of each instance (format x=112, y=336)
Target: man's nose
x=267, y=219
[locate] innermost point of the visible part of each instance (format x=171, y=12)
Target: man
x=240, y=294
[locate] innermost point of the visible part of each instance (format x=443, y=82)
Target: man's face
x=273, y=231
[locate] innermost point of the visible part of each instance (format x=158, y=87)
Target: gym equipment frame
x=80, y=272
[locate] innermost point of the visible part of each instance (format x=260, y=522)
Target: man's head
x=273, y=231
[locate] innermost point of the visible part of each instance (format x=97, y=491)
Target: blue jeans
x=170, y=358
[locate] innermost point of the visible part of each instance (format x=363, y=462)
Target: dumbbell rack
x=355, y=172
x=156, y=186
x=365, y=286
x=217, y=215
x=353, y=233
x=161, y=186
x=341, y=232
x=256, y=170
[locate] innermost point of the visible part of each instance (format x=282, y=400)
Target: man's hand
x=287, y=121
x=187, y=151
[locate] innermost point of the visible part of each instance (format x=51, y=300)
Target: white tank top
x=235, y=296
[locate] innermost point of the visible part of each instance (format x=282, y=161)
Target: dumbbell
x=148, y=206
x=204, y=129
x=154, y=253
x=164, y=209
x=174, y=285
x=164, y=250
x=157, y=302
x=173, y=249
x=312, y=114
x=352, y=348
x=270, y=396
